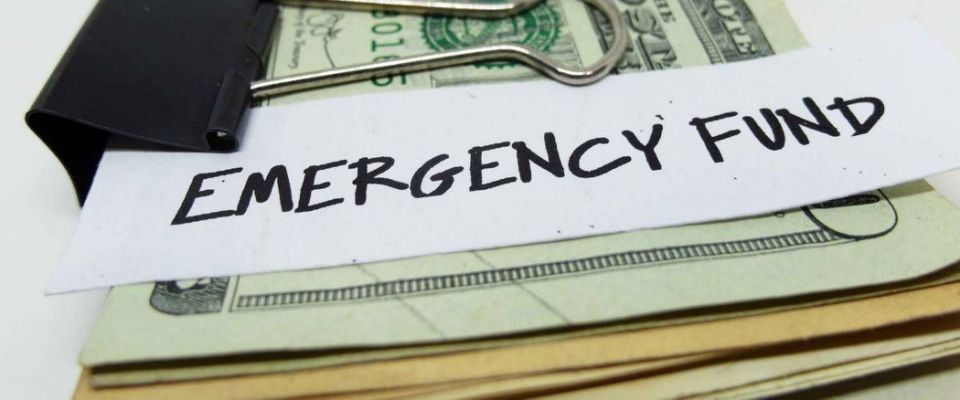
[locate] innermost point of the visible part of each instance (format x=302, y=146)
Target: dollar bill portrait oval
x=537, y=28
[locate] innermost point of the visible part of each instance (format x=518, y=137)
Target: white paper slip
x=377, y=177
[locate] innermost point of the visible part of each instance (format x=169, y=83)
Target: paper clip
x=182, y=74
x=513, y=52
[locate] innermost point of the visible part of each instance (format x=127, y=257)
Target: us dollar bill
x=192, y=369
x=873, y=238
x=851, y=242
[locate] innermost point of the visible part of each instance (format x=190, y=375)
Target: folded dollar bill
x=861, y=240
x=675, y=345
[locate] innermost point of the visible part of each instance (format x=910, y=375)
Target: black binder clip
x=182, y=73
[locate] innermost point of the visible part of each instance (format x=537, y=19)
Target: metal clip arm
x=513, y=52
x=452, y=8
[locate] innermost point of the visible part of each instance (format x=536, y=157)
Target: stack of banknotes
x=753, y=307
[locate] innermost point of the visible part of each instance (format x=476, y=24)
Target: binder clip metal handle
x=519, y=53
x=452, y=8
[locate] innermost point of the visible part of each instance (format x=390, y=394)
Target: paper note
x=376, y=177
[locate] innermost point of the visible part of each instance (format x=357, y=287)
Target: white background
x=40, y=337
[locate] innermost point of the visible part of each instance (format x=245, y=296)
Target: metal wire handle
x=513, y=52
x=453, y=8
